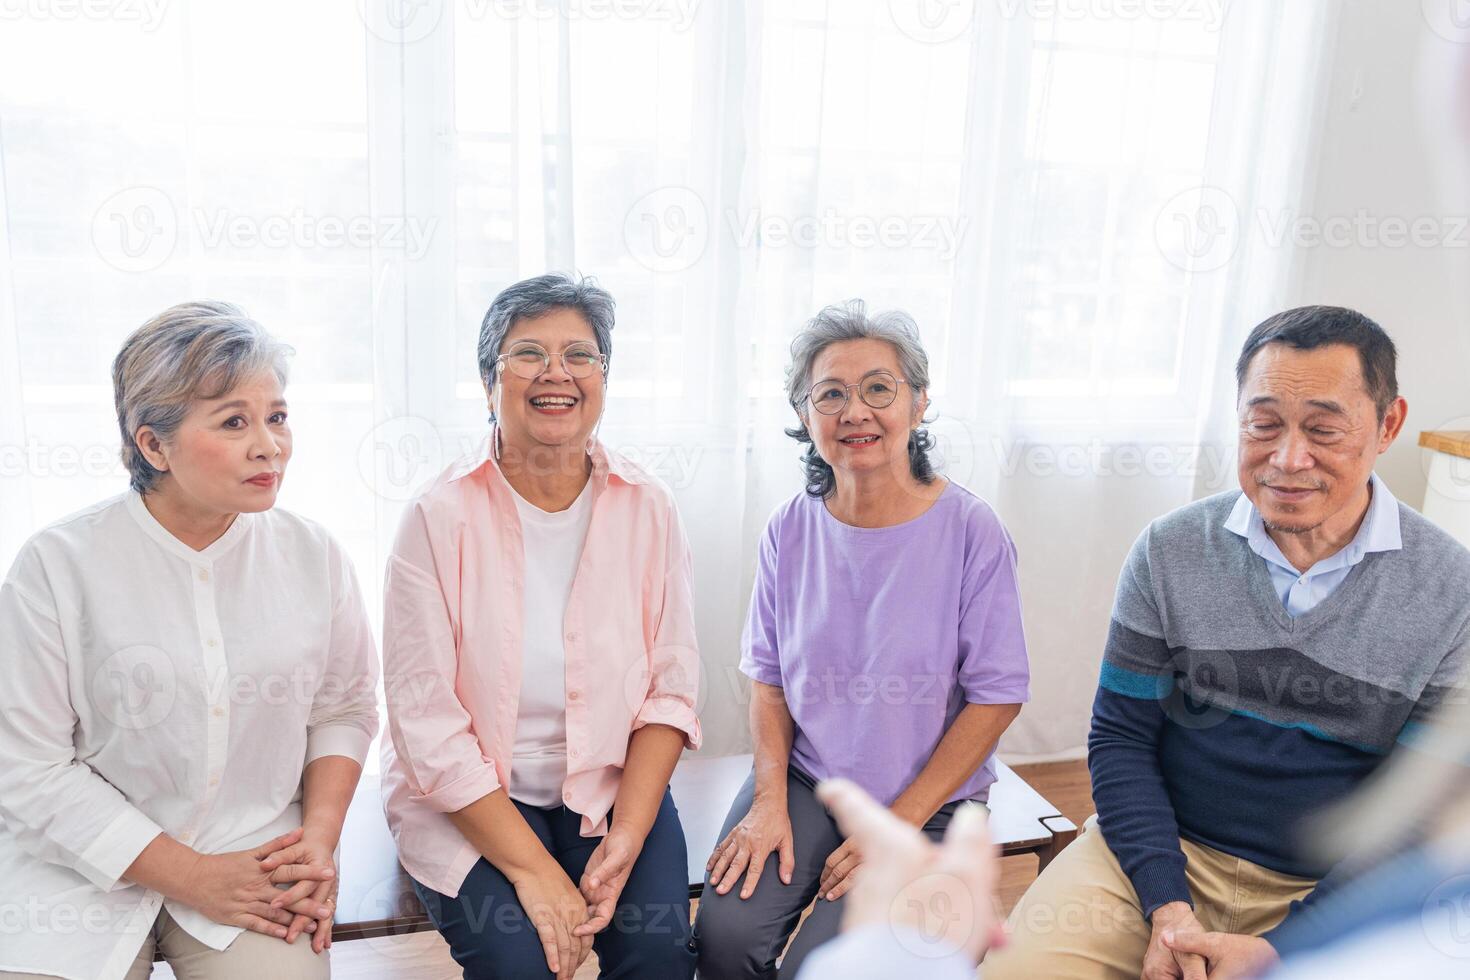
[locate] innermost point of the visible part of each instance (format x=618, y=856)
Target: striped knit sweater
x=1221, y=719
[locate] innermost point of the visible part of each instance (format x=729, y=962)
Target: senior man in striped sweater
x=1268, y=648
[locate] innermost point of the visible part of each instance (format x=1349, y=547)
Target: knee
x=648, y=955
x=513, y=950
x=728, y=944
x=650, y=940
x=271, y=958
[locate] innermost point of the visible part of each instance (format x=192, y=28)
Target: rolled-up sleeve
x=344, y=710
x=55, y=806
x=673, y=688
x=760, y=658
x=431, y=730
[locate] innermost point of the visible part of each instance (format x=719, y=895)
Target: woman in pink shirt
x=541, y=670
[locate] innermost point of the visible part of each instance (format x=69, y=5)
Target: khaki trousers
x=1081, y=919
x=251, y=956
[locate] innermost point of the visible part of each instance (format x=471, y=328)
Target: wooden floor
x=1063, y=783
x=425, y=957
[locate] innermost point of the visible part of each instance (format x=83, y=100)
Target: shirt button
x=214, y=780
x=573, y=695
x=573, y=637
x=203, y=575
x=212, y=642
x=218, y=712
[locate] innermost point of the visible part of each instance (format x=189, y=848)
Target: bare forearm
x=772, y=730
x=653, y=751
x=969, y=739
x=167, y=867
x=327, y=786
x=496, y=829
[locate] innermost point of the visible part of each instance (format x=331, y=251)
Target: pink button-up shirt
x=452, y=650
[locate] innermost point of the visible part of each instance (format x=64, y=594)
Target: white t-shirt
x=553, y=544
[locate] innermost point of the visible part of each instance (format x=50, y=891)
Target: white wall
x=1386, y=148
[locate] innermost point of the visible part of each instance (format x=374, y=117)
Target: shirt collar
x=165, y=538
x=605, y=463
x=1380, y=530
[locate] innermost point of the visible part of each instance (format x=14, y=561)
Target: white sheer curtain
x=1025, y=179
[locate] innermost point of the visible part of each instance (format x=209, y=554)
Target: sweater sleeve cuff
x=108, y=857
x=1159, y=882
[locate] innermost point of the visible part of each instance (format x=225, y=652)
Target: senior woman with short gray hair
x=539, y=631
x=883, y=644
x=189, y=689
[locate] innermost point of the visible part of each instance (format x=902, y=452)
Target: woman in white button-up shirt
x=189, y=688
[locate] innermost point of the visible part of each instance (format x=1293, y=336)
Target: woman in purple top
x=884, y=645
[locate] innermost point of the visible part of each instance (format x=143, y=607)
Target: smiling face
x=1309, y=436
x=861, y=439
x=229, y=454
x=554, y=409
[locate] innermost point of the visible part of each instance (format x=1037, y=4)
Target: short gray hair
x=850, y=321
x=535, y=297
x=187, y=353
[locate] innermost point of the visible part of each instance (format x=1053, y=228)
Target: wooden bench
x=377, y=898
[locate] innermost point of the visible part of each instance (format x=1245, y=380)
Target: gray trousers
x=741, y=940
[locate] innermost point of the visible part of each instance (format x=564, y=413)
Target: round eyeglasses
x=877, y=390
x=530, y=361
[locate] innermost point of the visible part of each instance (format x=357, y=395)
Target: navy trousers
x=491, y=937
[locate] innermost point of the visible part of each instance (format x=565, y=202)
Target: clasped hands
x=284, y=888
x=1181, y=948
x=566, y=915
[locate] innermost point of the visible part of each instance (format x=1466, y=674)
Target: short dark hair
x=1310, y=327
x=535, y=297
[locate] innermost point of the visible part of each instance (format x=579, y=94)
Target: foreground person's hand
x=943, y=892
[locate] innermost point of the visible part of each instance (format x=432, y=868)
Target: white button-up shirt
x=150, y=688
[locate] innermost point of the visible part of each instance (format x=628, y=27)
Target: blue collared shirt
x=1301, y=591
